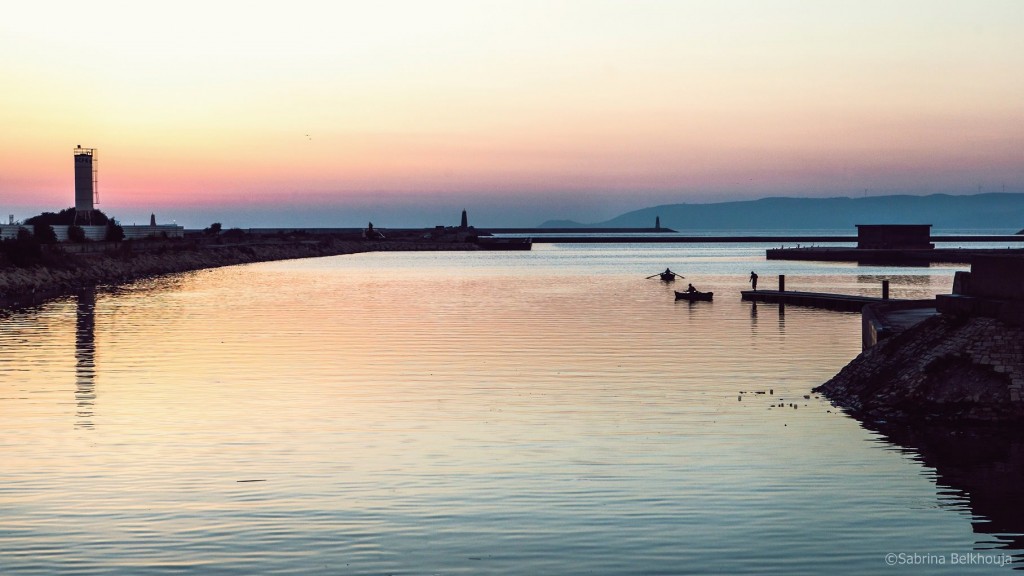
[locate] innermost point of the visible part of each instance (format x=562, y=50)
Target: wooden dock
x=840, y=302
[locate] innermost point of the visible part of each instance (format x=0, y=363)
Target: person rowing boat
x=668, y=275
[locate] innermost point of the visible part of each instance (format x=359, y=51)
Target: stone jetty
x=125, y=262
x=963, y=365
x=957, y=369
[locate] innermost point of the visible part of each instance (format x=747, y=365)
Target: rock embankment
x=67, y=274
x=947, y=368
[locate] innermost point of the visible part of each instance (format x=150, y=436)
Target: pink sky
x=338, y=112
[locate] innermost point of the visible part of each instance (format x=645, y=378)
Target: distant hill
x=942, y=211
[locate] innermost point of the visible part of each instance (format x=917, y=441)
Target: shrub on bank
x=235, y=234
x=23, y=250
x=44, y=234
x=115, y=233
x=76, y=234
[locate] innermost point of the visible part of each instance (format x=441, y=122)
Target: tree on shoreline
x=66, y=217
x=23, y=250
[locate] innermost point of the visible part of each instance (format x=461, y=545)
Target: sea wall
x=994, y=287
x=958, y=369
x=67, y=273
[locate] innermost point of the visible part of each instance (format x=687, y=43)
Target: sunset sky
x=334, y=113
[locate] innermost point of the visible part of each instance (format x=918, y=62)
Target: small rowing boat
x=666, y=276
x=694, y=296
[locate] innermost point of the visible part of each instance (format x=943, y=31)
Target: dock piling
x=782, y=282
x=885, y=289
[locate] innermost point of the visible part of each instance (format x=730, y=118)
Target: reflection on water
x=85, y=357
x=780, y=309
x=983, y=465
x=540, y=413
x=912, y=280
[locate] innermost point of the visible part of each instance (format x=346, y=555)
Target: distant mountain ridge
x=942, y=211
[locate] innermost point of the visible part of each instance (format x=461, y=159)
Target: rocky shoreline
x=949, y=368
x=64, y=274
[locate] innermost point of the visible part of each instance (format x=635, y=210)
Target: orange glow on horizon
x=322, y=103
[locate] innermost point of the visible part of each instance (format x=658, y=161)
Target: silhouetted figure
x=691, y=289
x=668, y=275
x=753, y=280
x=369, y=228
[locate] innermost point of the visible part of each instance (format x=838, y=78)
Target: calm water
x=548, y=412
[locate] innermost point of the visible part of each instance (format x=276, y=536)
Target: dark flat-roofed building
x=894, y=236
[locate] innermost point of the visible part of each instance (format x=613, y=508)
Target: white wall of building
x=98, y=233
x=91, y=232
x=159, y=230
x=11, y=230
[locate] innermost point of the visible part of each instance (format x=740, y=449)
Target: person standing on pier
x=753, y=280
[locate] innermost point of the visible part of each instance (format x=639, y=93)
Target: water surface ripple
x=550, y=412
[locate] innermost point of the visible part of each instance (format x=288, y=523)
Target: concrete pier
x=839, y=302
x=889, y=256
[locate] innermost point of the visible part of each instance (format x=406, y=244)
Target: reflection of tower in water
x=85, y=358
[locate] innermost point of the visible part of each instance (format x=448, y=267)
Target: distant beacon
x=86, y=194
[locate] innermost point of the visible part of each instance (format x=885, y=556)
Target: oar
x=652, y=276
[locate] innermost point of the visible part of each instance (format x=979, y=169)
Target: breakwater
x=63, y=273
x=665, y=236
x=896, y=257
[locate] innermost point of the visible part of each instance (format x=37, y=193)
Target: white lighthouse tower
x=86, y=193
